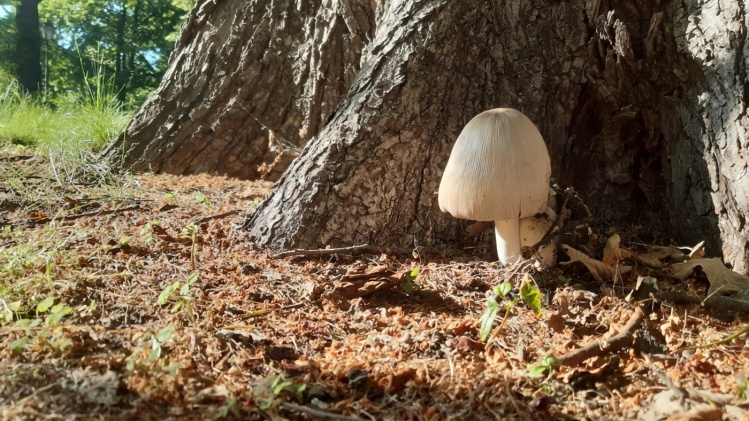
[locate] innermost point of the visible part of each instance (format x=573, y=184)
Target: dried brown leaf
x=601, y=272
x=665, y=252
x=722, y=280
x=702, y=412
x=611, y=253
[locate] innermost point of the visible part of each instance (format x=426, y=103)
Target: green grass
x=83, y=121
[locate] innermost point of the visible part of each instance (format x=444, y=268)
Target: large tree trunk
x=248, y=84
x=642, y=104
x=28, y=49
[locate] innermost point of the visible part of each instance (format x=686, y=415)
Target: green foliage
x=487, y=319
x=409, y=284
x=741, y=388
x=183, y=299
x=135, y=38
x=225, y=410
x=269, y=388
x=77, y=126
x=201, y=199
x=528, y=293
x=547, y=365
x=147, y=354
x=531, y=296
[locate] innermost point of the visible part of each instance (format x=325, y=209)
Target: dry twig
x=219, y=216
x=317, y=413
x=37, y=221
x=361, y=249
x=613, y=344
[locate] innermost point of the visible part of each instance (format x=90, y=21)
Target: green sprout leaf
x=167, y=293
x=155, y=353
x=57, y=313
x=503, y=289
x=19, y=344
x=531, y=296
x=409, y=286
x=547, y=365
x=192, y=278
x=487, y=319
x=45, y=305
x=165, y=333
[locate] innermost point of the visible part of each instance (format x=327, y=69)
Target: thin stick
x=219, y=216
x=613, y=344
x=80, y=215
x=361, y=249
x=318, y=413
x=723, y=341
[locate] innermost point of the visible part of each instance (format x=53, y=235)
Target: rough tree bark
x=249, y=83
x=28, y=48
x=642, y=104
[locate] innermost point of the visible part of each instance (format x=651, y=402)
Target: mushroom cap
x=499, y=169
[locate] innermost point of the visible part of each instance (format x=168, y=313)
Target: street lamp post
x=48, y=34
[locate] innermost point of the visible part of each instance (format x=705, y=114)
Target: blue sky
x=66, y=41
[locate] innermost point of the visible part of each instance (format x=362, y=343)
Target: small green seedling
x=528, y=293
x=171, y=197
x=201, y=199
x=268, y=390
x=409, y=285
x=149, y=358
x=184, y=298
x=547, y=365
x=225, y=410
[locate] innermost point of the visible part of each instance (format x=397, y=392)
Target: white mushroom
x=499, y=170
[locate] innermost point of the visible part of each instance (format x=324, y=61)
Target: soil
x=140, y=296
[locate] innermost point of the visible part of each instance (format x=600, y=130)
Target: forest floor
x=141, y=297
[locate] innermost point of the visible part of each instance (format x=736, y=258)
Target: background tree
x=28, y=44
x=641, y=103
x=128, y=41
x=8, y=40
x=131, y=38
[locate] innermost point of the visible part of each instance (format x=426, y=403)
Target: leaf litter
x=166, y=310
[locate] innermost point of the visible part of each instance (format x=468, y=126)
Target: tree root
x=716, y=302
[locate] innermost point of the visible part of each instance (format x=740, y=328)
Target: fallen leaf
x=703, y=412
x=722, y=280
x=611, y=253
x=665, y=252
x=601, y=272
x=698, y=251
x=395, y=382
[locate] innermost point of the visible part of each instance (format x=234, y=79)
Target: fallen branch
x=38, y=221
x=317, y=412
x=219, y=216
x=716, y=302
x=362, y=249
x=613, y=344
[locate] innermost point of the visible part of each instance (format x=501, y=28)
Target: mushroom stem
x=507, y=234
